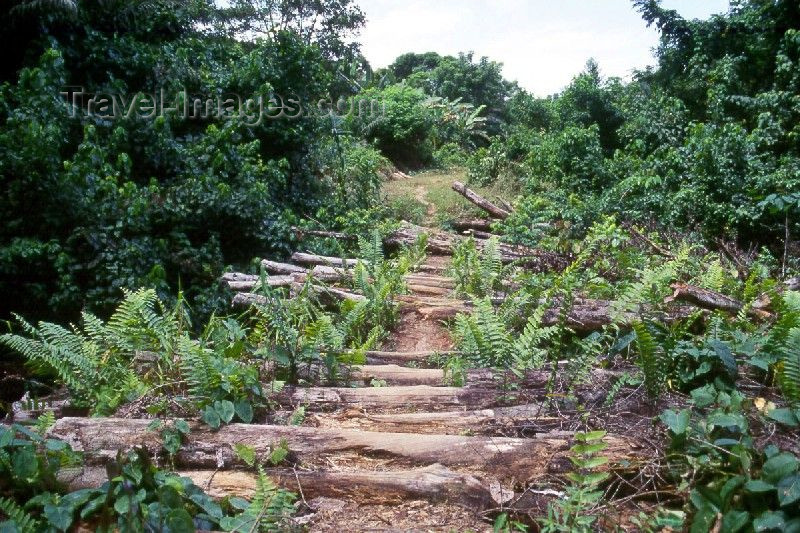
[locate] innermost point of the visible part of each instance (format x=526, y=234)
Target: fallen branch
x=480, y=201
x=711, y=300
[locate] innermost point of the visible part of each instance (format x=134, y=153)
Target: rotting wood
x=100, y=439
x=493, y=210
x=434, y=483
x=712, y=300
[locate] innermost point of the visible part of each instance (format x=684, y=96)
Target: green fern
x=789, y=370
x=268, y=512
x=16, y=518
x=651, y=360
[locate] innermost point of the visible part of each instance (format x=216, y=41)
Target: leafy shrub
x=401, y=126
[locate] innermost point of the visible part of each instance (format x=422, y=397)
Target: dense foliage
x=101, y=200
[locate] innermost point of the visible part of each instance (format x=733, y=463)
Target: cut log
x=477, y=234
x=430, y=280
x=712, y=300
x=331, y=294
x=434, y=483
x=477, y=422
x=249, y=285
x=479, y=224
x=274, y=267
x=300, y=233
x=427, y=289
x=402, y=358
x=238, y=276
x=401, y=397
x=443, y=243
x=313, y=259
x=99, y=439
x=480, y=201
x=399, y=375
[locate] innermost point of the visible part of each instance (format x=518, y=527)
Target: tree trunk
x=480, y=201
x=712, y=300
x=434, y=483
x=313, y=259
x=99, y=439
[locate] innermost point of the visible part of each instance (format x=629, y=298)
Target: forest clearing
x=481, y=310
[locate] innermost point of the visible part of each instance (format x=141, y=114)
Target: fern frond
x=789, y=374
x=19, y=518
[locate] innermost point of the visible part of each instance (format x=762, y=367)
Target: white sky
x=542, y=44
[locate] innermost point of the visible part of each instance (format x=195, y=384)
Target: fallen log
x=479, y=224
x=477, y=422
x=333, y=295
x=400, y=397
x=483, y=235
x=480, y=201
x=398, y=375
x=379, y=357
x=712, y=300
x=238, y=276
x=313, y=259
x=443, y=243
x=274, y=267
x=434, y=483
x=249, y=285
x=301, y=232
x=100, y=439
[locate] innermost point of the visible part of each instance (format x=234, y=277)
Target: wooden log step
x=508, y=420
x=407, y=397
x=398, y=375
x=402, y=358
x=99, y=439
x=434, y=483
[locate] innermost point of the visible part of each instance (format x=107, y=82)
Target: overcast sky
x=541, y=43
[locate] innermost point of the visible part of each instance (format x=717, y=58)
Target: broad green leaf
x=225, y=410
x=770, y=521
x=758, y=485
x=734, y=521
x=244, y=410
x=785, y=416
x=211, y=417
x=726, y=420
x=182, y=426
x=179, y=521
x=677, y=422
x=789, y=490
x=704, y=396
x=245, y=453
x=723, y=351
x=779, y=466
